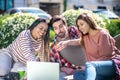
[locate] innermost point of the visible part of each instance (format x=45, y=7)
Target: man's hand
x=68, y=71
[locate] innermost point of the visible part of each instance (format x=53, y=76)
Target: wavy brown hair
x=89, y=20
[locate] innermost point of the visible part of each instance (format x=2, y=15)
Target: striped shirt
x=24, y=47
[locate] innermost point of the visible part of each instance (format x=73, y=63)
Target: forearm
x=73, y=42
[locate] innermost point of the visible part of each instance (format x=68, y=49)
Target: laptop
x=42, y=71
x=74, y=54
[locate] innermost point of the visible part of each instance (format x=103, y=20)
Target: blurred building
x=93, y=4
x=53, y=7
x=5, y=4
x=113, y=5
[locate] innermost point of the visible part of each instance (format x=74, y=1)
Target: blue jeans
x=97, y=70
x=79, y=75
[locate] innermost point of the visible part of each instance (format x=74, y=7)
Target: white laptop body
x=42, y=71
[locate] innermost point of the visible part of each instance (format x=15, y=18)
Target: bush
x=114, y=27
x=52, y=35
x=71, y=15
x=3, y=17
x=12, y=25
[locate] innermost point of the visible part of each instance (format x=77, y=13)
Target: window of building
x=102, y=7
x=78, y=6
x=5, y=5
x=9, y=4
x=1, y=6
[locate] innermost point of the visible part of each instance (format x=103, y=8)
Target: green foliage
x=12, y=25
x=2, y=18
x=114, y=27
x=52, y=35
x=71, y=15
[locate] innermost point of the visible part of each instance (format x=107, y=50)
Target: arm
x=75, y=37
x=26, y=49
x=73, y=42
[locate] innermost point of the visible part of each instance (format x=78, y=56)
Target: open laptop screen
x=42, y=71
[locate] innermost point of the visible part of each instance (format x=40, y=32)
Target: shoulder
x=72, y=27
x=73, y=32
x=105, y=34
x=25, y=33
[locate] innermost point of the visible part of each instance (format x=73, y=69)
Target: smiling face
x=60, y=29
x=83, y=26
x=39, y=31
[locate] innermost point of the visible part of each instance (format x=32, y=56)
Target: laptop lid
x=42, y=71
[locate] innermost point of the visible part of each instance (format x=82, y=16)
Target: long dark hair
x=35, y=23
x=46, y=37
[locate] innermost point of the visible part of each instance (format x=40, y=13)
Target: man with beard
x=63, y=33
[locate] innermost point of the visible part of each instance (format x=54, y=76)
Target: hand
x=61, y=45
x=68, y=71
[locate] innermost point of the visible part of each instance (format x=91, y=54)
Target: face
x=83, y=26
x=40, y=30
x=60, y=29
